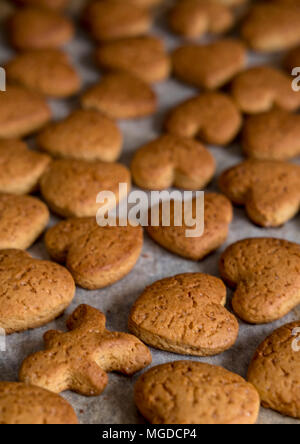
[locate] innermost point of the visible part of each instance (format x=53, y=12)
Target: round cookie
x=33, y=292
x=187, y=392
x=185, y=314
x=172, y=160
x=145, y=57
x=212, y=117
x=275, y=370
x=84, y=135
x=39, y=28
x=46, y=71
x=20, y=168
x=121, y=96
x=71, y=187
x=26, y=404
x=51, y=4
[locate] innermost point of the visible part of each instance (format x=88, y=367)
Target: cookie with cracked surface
x=265, y=274
x=275, y=370
x=217, y=218
x=209, y=66
x=33, y=292
x=46, y=71
x=211, y=117
x=172, y=160
x=185, y=314
x=25, y=404
x=268, y=189
x=145, y=57
x=83, y=135
x=70, y=187
x=80, y=359
x=187, y=392
x=51, y=4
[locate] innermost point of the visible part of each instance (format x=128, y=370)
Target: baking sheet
x=115, y=405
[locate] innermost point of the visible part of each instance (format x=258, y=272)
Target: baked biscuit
x=172, y=160
x=185, y=314
x=209, y=66
x=275, y=370
x=39, y=28
x=292, y=59
x=268, y=189
x=22, y=112
x=95, y=256
x=265, y=273
x=46, y=71
x=187, y=392
x=217, y=219
x=212, y=117
x=147, y=3
x=71, y=187
x=51, y=4
x=84, y=135
x=80, y=359
x=145, y=57
x=25, y=404
x=121, y=96
x=33, y=292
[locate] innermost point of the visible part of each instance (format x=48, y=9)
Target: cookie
x=275, y=371
x=116, y=19
x=212, y=117
x=194, y=18
x=292, y=59
x=71, y=187
x=22, y=112
x=185, y=314
x=25, y=404
x=39, y=28
x=147, y=3
x=51, y=4
x=20, y=168
x=265, y=274
x=187, y=392
x=84, y=135
x=46, y=71
x=120, y=95
x=172, y=160
x=95, y=256
x=144, y=57
x=217, y=218
x=259, y=89
x=88, y=352
x=33, y=292
x=268, y=189
x=273, y=135
x=209, y=66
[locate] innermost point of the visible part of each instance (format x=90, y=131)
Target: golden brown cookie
x=116, y=19
x=80, y=359
x=95, y=256
x=121, y=96
x=39, y=28
x=217, y=218
x=212, y=117
x=33, y=292
x=25, y=404
x=275, y=370
x=187, y=392
x=20, y=168
x=209, y=66
x=51, y=4
x=268, y=189
x=185, y=314
x=84, y=135
x=172, y=160
x=147, y=3
x=145, y=57
x=71, y=187
x=194, y=18
x=265, y=273
x=292, y=59
x=259, y=89
x=22, y=112
x=46, y=71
